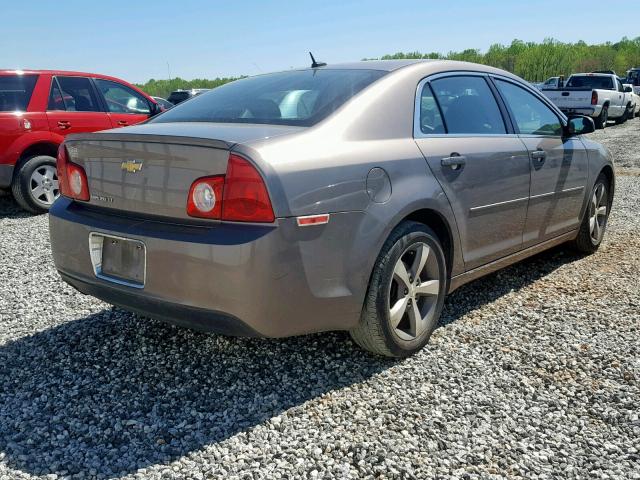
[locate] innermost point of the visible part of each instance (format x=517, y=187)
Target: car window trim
x=417, y=131
x=542, y=98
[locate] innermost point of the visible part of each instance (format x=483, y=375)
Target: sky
x=143, y=39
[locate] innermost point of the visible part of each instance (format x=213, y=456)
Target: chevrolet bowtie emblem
x=131, y=166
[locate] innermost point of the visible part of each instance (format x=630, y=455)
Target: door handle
x=539, y=155
x=123, y=122
x=63, y=125
x=455, y=161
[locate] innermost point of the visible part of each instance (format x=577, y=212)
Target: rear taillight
x=239, y=196
x=72, y=178
x=205, y=197
x=245, y=197
x=594, y=97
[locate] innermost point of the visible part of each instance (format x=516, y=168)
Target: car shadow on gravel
x=487, y=289
x=112, y=393
x=10, y=209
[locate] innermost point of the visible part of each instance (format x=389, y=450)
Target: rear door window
x=531, y=115
x=78, y=94
x=468, y=106
x=430, y=118
x=16, y=91
x=122, y=99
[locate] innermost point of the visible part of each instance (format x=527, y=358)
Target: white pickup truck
x=598, y=95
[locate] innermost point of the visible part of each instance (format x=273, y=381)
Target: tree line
x=530, y=60
x=536, y=62
x=162, y=88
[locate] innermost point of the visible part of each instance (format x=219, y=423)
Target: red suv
x=38, y=108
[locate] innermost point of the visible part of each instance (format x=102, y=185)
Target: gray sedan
x=347, y=197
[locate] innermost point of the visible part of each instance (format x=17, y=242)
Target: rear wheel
x=601, y=120
x=595, y=218
x=406, y=293
x=35, y=185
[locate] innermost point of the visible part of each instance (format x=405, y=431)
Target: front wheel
x=35, y=185
x=406, y=293
x=595, y=218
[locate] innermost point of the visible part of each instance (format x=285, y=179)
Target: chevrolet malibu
x=348, y=197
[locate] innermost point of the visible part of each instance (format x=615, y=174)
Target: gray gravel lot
x=534, y=373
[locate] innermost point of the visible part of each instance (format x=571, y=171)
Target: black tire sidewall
x=416, y=233
x=21, y=187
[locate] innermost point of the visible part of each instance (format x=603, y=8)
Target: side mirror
x=579, y=125
x=628, y=89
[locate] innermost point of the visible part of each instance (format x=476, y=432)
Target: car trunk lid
x=149, y=169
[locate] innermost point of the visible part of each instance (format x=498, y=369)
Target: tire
x=588, y=240
x=625, y=116
x=38, y=171
x=412, y=297
x=601, y=120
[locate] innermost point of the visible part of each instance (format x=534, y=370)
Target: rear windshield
x=298, y=97
x=15, y=92
x=177, y=97
x=604, y=83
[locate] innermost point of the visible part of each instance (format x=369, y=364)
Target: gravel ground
x=616, y=138
x=534, y=373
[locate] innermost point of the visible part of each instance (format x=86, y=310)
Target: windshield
x=15, y=92
x=298, y=98
x=587, y=81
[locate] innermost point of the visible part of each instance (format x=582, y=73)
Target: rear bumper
x=249, y=280
x=588, y=111
x=183, y=315
x=6, y=175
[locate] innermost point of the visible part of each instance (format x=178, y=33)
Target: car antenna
x=315, y=64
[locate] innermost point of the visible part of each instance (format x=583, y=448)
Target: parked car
x=38, y=108
x=598, y=95
x=551, y=83
x=179, y=96
x=633, y=77
x=164, y=104
x=634, y=99
x=347, y=197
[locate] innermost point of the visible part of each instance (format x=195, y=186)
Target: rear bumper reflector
x=309, y=220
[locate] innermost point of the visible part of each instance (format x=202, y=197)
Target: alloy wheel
x=44, y=185
x=413, y=292
x=598, y=213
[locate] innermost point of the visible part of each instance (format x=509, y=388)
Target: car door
x=482, y=166
x=559, y=166
x=124, y=105
x=74, y=108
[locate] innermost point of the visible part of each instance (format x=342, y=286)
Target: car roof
x=430, y=65
x=21, y=71
x=387, y=65
x=591, y=74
